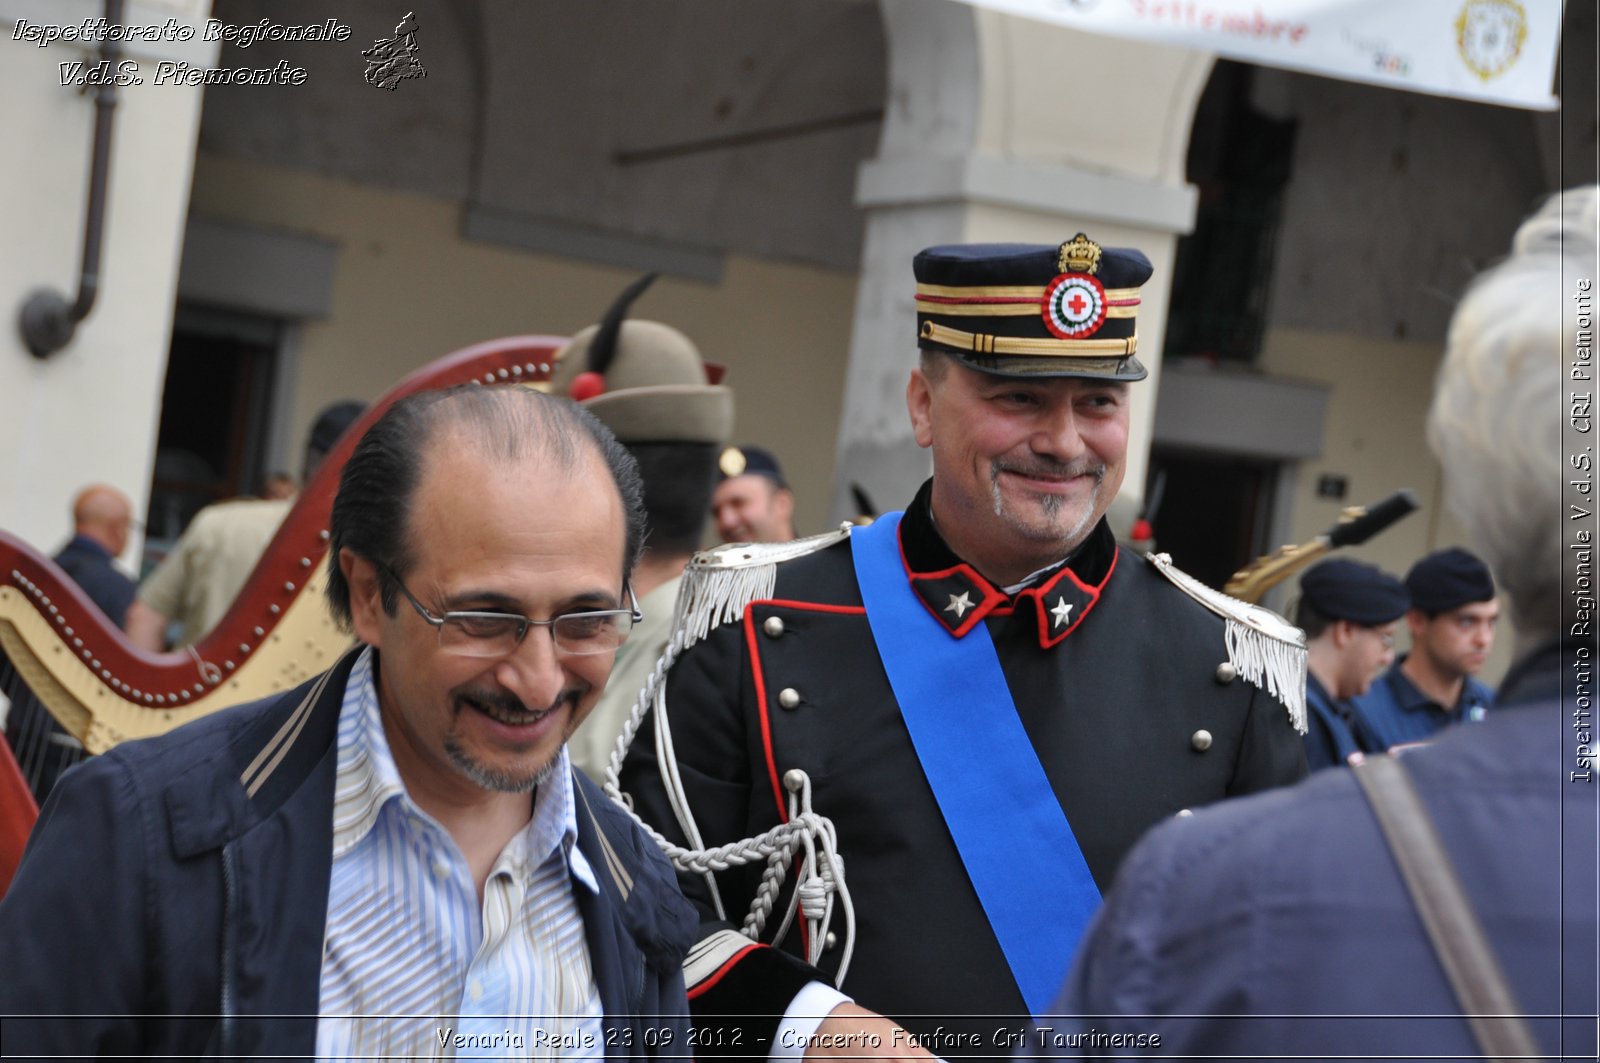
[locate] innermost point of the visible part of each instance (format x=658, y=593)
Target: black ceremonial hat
x=1033, y=310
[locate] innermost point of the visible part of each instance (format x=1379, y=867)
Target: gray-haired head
x=509, y=424
x=1496, y=421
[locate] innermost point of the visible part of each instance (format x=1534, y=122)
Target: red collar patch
x=957, y=597
x=1062, y=602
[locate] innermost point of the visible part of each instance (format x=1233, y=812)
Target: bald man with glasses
x=396, y=859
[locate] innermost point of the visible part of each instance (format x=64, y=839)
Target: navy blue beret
x=1030, y=310
x=1350, y=590
x=1448, y=579
x=749, y=461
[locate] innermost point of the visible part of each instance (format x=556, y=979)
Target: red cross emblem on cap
x=1074, y=306
x=1074, y=303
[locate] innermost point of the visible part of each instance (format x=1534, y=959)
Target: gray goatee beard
x=1052, y=504
x=501, y=780
x=1045, y=469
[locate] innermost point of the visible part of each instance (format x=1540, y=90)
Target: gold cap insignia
x=1079, y=255
x=732, y=462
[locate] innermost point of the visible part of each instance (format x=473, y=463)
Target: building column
x=997, y=129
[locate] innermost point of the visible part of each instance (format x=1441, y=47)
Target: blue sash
x=1007, y=825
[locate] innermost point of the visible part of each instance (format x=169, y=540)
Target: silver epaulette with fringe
x=719, y=583
x=1268, y=651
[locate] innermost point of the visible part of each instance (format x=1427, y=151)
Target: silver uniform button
x=789, y=698
x=1226, y=673
x=1184, y=813
x=831, y=941
x=793, y=780
x=1201, y=740
x=773, y=626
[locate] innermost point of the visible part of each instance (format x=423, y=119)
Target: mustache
x=1047, y=469
x=507, y=702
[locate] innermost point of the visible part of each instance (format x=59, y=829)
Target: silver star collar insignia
x=1060, y=611
x=959, y=604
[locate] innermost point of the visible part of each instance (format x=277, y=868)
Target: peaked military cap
x=644, y=380
x=1351, y=590
x=1033, y=310
x=1448, y=579
x=751, y=461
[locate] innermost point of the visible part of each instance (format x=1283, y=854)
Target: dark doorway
x=1215, y=511
x=1240, y=161
x=214, y=409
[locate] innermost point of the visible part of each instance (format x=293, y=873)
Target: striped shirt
x=412, y=965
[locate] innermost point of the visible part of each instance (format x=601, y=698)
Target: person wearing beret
x=753, y=502
x=915, y=752
x=1348, y=611
x=1452, y=621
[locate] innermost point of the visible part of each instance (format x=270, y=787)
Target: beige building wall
x=408, y=288
x=89, y=412
x=1375, y=437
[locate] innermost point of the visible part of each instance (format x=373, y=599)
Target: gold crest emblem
x=1079, y=255
x=732, y=462
x=1490, y=35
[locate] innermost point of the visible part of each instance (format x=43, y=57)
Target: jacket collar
x=959, y=596
x=221, y=797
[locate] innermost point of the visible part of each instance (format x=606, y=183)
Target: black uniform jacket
x=1114, y=699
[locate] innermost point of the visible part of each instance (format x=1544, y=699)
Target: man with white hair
x=1266, y=925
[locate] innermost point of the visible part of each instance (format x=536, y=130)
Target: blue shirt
x=412, y=964
x=91, y=568
x=1396, y=712
x=1333, y=729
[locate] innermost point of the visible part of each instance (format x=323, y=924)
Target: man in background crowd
x=753, y=502
x=1348, y=611
x=1452, y=621
x=102, y=517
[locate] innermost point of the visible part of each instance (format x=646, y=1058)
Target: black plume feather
x=604, y=348
x=864, y=506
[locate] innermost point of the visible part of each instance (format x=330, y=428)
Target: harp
x=59, y=653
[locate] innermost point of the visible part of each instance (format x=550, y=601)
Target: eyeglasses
x=490, y=634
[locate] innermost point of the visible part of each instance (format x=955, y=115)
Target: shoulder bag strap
x=1486, y=998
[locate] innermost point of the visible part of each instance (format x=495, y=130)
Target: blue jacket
x=1395, y=711
x=173, y=896
x=1333, y=729
x=1279, y=925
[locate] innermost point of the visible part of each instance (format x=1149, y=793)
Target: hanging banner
x=1496, y=51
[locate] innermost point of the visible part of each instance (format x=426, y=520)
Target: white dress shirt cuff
x=805, y=1013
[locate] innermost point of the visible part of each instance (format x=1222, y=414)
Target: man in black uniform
x=1348, y=610
x=978, y=707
